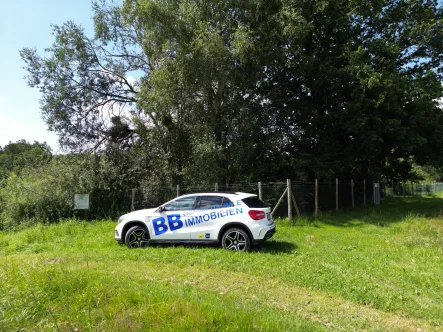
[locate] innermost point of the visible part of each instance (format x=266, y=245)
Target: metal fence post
x=336, y=194
x=364, y=192
x=216, y=186
x=132, y=200
x=352, y=192
x=288, y=183
x=316, y=198
x=260, y=194
x=178, y=190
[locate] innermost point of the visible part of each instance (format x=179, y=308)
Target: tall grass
x=372, y=268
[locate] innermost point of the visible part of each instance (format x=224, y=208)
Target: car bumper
x=118, y=233
x=265, y=234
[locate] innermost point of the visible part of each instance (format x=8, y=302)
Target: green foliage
x=345, y=88
x=46, y=194
x=427, y=174
x=36, y=198
x=21, y=155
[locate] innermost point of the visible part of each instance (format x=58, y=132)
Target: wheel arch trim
x=131, y=224
x=234, y=225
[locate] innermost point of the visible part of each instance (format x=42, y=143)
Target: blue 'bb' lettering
x=174, y=222
x=159, y=225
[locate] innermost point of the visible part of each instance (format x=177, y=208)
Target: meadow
x=371, y=268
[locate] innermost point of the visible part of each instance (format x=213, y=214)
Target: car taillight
x=257, y=214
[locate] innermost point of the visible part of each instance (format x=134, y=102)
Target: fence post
x=352, y=192
x=364, y=192
x=216, y=186
x=336, y=194
x=316, y=198
x=260, y=195
x=279, y=201
x=288, y=184
x=178, y=190
x=132, y=200
x=295, y=204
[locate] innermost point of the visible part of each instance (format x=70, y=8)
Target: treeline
x=37, y=186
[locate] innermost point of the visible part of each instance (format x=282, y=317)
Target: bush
x=46, y=194
x=34, y=198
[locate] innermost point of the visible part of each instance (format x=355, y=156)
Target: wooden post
x=132, y=200
x=336, y=194
x=364, y=192
x=316, y=198
x=178, y=190
x=295, y=204
x=352, y=192
x=260, y=194
x=216, y=186
x=288, y=184
x=279, y=201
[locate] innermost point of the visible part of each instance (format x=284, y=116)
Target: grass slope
x=373, y=268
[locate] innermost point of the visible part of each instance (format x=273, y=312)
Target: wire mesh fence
x=412, y=189
x=330, y=195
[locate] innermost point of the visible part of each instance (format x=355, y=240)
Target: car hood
x=138, y=213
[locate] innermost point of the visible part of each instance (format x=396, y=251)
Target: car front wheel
x=236, y=239
x=137, y=237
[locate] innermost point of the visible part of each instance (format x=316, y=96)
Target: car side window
x=184, y=203
x=227, y=202
x=210, y=202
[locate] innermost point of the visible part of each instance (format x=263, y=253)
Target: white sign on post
x=81, y=201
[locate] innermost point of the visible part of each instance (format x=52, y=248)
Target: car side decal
x=175, y=222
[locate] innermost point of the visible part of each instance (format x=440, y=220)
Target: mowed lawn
x=373, y=268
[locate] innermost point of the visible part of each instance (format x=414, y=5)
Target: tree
x=18, y=156
x=357, y=93
x=229, y=91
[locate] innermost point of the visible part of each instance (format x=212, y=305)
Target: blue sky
x=27, y=23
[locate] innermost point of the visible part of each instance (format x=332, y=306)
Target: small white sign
x=81, y=201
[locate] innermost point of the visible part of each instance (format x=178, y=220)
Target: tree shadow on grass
x=270, y=247
x=391, y=210
x=275, y=247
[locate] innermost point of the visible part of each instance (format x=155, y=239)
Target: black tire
x=236, y=239
x=137, y=237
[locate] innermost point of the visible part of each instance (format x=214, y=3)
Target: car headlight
x=120, y=220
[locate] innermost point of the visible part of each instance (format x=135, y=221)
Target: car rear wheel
x=236, y=239
x=137, y=237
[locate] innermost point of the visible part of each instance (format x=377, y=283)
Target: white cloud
x=5, y=122
x=14, y=129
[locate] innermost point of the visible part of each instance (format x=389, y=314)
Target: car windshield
x=184, y=203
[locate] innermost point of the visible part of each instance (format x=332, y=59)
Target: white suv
x=236, y=220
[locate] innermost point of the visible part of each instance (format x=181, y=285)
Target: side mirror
x=161, y=209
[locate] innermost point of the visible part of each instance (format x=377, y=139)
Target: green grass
x=373, y=268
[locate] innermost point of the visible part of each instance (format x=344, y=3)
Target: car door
x=210, y=214
x=168, y=222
